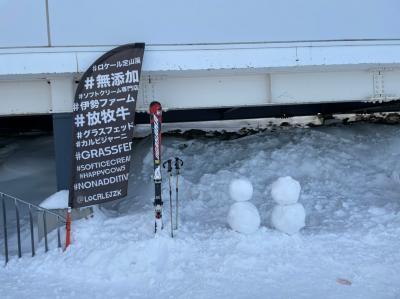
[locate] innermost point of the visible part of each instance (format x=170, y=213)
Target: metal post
x=63, y=147
x=18, y=229
x=5, y=228
x=58, y=232
x=32, y=234
x=46, y=247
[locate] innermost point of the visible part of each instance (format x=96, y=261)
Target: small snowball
x=240, y=190
x=285, y=191
x=288, y=219
x=243, y=217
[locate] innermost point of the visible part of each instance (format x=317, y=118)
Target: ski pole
x=178, y=165
x=169, y=163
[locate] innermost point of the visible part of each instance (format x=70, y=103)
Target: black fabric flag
x=103, y=123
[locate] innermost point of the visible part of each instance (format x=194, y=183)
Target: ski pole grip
x=169, y=162
x=178, y=163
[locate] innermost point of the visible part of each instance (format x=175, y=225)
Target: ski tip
x=155, y=103
x=154, y=107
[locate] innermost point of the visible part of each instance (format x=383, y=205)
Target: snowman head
x=240, y=189
x=285, y=190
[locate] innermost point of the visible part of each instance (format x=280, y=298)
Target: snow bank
x=115, y=255
x=240, y=189
x=285, y=190
x=58, y=200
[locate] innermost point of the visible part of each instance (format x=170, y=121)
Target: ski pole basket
x=18, y=215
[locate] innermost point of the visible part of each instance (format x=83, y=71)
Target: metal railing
x=43, y=214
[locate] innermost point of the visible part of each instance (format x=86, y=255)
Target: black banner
x=103, y=123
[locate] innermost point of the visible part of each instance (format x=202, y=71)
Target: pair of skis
x=155, y=122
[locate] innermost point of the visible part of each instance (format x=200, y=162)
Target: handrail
x=61, y=220
x=32, y=205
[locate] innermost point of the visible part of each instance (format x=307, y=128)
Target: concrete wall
x=24, y=96
x=26, y=23
x=23, y=23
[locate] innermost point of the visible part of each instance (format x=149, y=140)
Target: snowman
x=243, y=216
x=288, y=215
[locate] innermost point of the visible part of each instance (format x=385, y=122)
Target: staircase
x=17, y=216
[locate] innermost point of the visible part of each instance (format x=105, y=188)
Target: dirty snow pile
x=348, y=247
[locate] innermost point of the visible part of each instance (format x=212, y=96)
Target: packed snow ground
x=350, y=179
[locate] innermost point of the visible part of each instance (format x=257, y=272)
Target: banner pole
x=68, y=229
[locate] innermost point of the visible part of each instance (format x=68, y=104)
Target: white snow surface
x=288, y=218
x=285, y=190
x=349, y=191
x=243, y=217
x=240, y=189
x=58, y=200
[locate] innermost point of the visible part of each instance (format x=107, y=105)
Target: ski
x=155, y=122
